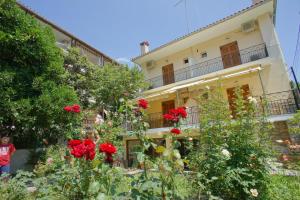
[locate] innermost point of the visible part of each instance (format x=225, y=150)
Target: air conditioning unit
x=150, y=64
x=248, y=26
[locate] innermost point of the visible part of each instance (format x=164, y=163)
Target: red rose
x=76, y=108
x=90, y=155
x=171, y=117
x=68, y=108
x=73, y=143
x=85, y=148
x=79, y=151
x=143, y=103
x=181, y=111
x=107, y=148
x=175, y=114
x=176, y=131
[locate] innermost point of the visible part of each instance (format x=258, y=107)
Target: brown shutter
x=230, y=55
x=168, y=74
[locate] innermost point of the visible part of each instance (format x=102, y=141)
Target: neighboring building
x=242, y=50
x=66, y=40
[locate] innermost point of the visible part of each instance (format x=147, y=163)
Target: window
x=186, y=61
x=203, y=54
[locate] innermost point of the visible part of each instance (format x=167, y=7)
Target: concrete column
x=269, y=36
x=278, y=71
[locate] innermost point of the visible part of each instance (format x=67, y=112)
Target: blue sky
x=116, y=27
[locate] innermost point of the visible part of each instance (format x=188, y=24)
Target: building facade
x=65, y=40
x=241, y=50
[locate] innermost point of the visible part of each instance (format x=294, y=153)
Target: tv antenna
x=186, y=15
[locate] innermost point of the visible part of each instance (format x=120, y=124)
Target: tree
x=32, y=77
x=117, y=83
x=101, y=87
x=81, y=76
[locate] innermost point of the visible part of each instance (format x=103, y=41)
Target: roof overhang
x=208, y=32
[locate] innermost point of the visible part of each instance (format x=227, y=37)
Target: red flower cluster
x=176, y=131
x=143, y=103
x=85, y=148
x=175, y=114
x=75, y=108
x=108, y=149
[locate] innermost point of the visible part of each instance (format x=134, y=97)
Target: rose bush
x=231, y=160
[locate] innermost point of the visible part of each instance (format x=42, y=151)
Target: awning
x=203, y=81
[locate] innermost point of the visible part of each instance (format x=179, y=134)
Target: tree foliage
x=31, y=75
x=101, y=87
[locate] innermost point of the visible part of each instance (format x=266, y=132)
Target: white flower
x=252, y=100
x=13, y=127
x=254, y=192
x=31, y=189
x=49, y=160
x=121, y=99
x=207, y=87
x=99, y=119
x=226, y=153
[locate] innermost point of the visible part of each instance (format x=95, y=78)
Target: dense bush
x=32, y=78
x=231, y=161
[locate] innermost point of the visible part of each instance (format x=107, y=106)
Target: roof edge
x=205, y=27
x=34, y=14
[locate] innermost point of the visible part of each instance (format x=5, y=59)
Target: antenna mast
x=186, y=15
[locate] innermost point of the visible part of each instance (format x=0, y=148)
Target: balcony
x=280, y=103
x=250, y=54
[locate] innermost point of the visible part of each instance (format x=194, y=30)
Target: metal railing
x=156, y=120
x=279, y=103
x=216, y=64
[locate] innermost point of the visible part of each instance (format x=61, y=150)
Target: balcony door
x=168, y=74
x=230, y=55
x=166, y=107
x=231, y=93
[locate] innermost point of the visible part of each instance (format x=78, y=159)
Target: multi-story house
x=241, y=50
x=66, y=40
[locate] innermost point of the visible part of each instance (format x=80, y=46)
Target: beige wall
x=194, y=92
x=275, y=78
x=274, y=75
x=212, y=47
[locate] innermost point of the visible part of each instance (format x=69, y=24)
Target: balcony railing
x=280, y=103
x=246, y=55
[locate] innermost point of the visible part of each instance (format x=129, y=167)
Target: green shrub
x=232, y=155
x=32, y=79
x=284, y=188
